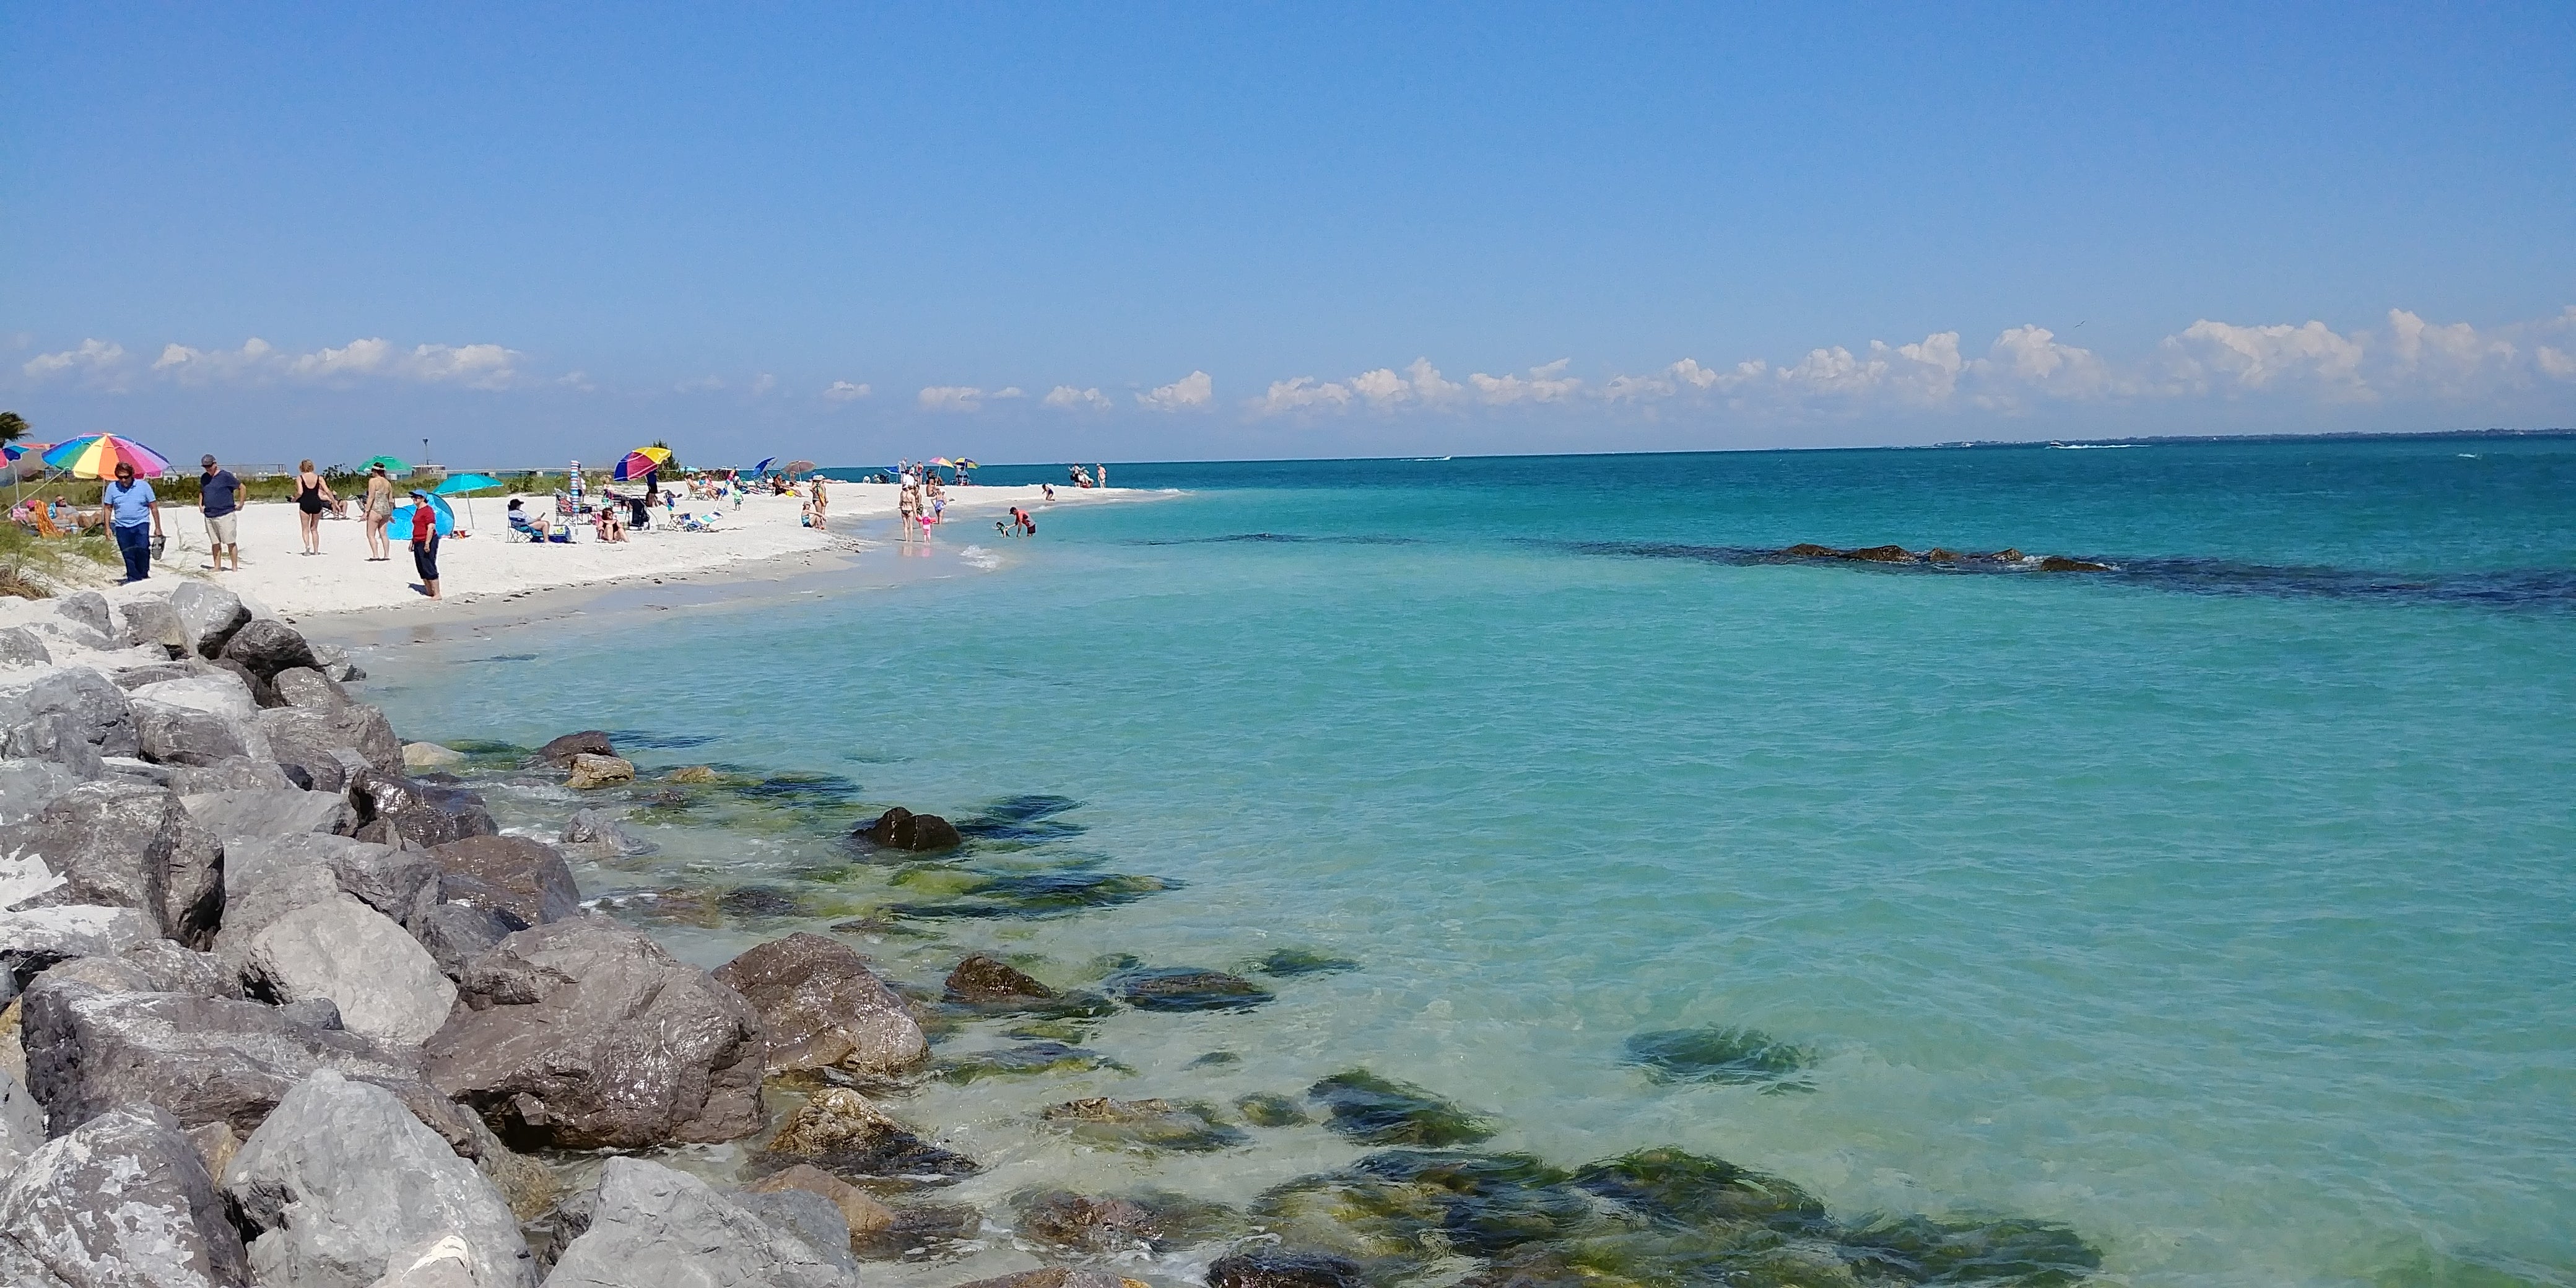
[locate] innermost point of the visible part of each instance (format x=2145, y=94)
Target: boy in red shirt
x=424, y=542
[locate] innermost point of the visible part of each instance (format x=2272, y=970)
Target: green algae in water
x=1051, y=1030
x=2016, y=1251
x=1147, y=1126
x=1047, y=894
x=1184, y=988
x=1270, y=1109
x=1690, y=1189
x=1721, y=1054
x=1288, y=963
x=1383, y=1111
x=1025, y=1061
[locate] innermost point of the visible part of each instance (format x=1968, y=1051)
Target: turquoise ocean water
x=2222, y=906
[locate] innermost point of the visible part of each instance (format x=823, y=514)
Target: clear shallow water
x=2223, y=906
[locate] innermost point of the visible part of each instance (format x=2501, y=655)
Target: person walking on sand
x=135, y=517
x=821, y=503
x=380, y=513
x=219, y=497
x=907, y=505
x=424, y=542
x=312, y=494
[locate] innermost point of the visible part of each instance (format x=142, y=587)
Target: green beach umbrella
x=392, y=464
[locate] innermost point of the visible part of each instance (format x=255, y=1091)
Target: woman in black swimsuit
x=312, y=494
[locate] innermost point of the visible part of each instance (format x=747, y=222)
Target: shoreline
x=487, y=569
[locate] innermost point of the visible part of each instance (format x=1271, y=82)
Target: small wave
x=979, y=557
x=2090, y=447
x=1280, y=538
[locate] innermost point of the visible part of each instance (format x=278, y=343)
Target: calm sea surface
x=2221, y=906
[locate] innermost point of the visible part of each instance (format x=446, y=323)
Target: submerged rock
x=1024, y=1061
x=1275, y=1267
x=864, y=1216
x=1182, y=988
x=2061, y=563
x=1270, y=1109
x=1110, y=1224
x=1034, y=894
x=983, y=981
x=839, y=1131
x=1719, y=1053
x=2016, y=1251
x=901, y=829
x=920, y=1228
x=1145, y=1125
x=1288, y=963
x=1383, y=1111
x=589, y=771
x=1675, y=1185
x=560, y=751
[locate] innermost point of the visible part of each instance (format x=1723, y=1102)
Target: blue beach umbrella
x=443, y=522
x=459, y=484
x=763, y=467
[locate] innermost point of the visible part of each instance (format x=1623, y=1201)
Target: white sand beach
x=488, y=564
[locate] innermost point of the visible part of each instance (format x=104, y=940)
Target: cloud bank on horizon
x=2024, y=369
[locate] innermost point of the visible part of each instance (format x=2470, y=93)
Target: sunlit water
x=2222, y=906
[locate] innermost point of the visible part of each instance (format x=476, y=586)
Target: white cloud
x=98, y=362
x=2220, y=357
x=1070, y=398
x=1302, y=394
x=1384, y=390
x=1010, y=391
x=475, y=366
x=844, y=391
x=762, y=384
x=701, y=385
x=951, y=398
x=1542, y=385
x=578, y=381
x=1188, y=393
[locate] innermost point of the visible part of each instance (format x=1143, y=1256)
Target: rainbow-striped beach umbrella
x=96, y=456
x=640, y=462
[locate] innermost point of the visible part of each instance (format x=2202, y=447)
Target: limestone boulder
x=173, y=735
x=41, y=709
x=28, y=786
x=122, y=1200
x=208, y=615
x=524, y=880
x=842, y=1132
x=823, y=1008
x=589, y=771
x=595, y=833
x=457, y=933
x=127, y=845
x=304, y=686
x=87, y=608
x=653, y=1227
x=341, y=1183
x=150, y=621
x=215, y=692
x=34, y=941
x=860, y=1214
x=585, y=1034
x=268, y=646
x=386, y=986
x=22, y=647
x=323, y=740
x=22, y=1124
x=236, y=773
x=424, y=814
x=430, y=755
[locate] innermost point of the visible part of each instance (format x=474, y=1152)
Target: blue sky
x=1048, y=232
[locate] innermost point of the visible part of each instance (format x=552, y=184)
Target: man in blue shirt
x=134, y=515
x=221, y=497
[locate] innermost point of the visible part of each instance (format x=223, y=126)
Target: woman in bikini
x=380, y=511
x=312, y=494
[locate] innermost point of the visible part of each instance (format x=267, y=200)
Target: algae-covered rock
x=981, y=980
x=1270, y=1109
x=1288, y=963
x=1720, y=1053
x=2004, y=1250
x=1674, y=1185
x=957, y=892
x=839, y=1131
x=1022, y=1061
x=1182, y=988
x=1278, y=1267
x=1383, y=1111
x=1108, y=1224
x=1145, y=1125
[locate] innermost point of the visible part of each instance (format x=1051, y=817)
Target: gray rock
x=168, y=968
x=652, y=1227
x=88, y=608
x=314, y=1012
x=560, y=751
x=823, y=1008
x=98, y=713
x=33, y=941
x=28, y=786
x=444, y=1262
x=122, y=1201
x=425, y=814
x=303, y=686
x=268, y=811
x=203, y=1059
x=599, y=834
x=261, y=691
x=430, y=755
x=173, y=735
x=128, y=846
x=127, y=769
x=135, y=677
x=342, y=1180
x=21, y=647
x=457, y=933
x=585, y=1034
x=208, y=615
x=216, y=692
x=268, y=646
x=806, y=1216
x=235, y=774
x=151, y=621
x=266, y=878
x=385, y=984
x=312, y=737
x=522, y=879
